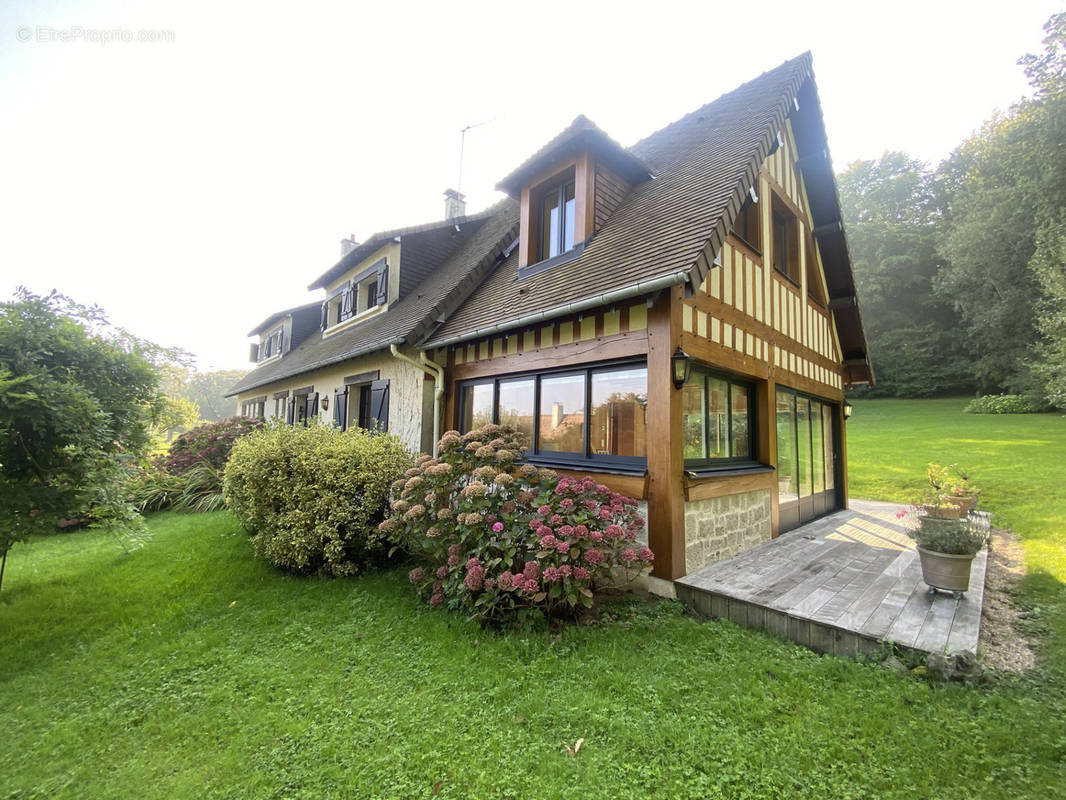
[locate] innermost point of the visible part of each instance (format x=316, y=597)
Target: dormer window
x=557, y=217
x=371, y=293
x=271, y=345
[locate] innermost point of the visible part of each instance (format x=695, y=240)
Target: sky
x=191, y=167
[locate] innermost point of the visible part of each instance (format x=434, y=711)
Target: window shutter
x=346, y=302
x=383, y=285
x=253, y=352
x=281, y=339
x=379, y=405
x=290, y=413
x=325, y=315
x=340, y=408
x=312, y=405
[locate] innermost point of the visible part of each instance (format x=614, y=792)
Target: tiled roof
x=412, y=316
x=280, y=315
x=376, y=240
x=703, y=164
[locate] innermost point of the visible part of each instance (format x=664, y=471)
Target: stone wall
x=724, y=526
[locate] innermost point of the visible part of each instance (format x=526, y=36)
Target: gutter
x=437, y=373
x=607, y=298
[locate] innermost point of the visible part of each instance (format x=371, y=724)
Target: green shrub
x=312, y=497
x=505, y=541
x=1004, y=404
x=198, y=489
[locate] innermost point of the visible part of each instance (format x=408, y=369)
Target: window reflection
x=477, y=406
x=562, y=414
x=618, y=422
x=516, y=407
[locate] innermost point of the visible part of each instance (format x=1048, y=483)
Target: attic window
x=556, y=222
x=784, y=244
x=746, y=227
x=271, y=345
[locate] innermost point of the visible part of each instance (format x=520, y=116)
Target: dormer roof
x=278, y=316
x=580, y=135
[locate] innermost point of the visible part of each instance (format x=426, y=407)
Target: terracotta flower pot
x=966, y=502
x=945, y=571
x=945, y=511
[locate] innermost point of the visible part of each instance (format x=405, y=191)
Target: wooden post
x=766, y=439
x=666, y=509
x=843, y=423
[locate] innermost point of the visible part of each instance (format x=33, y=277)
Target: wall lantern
x=681, y=362
x=847, y=410
x=325, y=403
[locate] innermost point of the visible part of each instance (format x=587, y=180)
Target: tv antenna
x=462, y=148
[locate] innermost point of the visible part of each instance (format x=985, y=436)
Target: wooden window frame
x=559, y=190
x=586, y=459
x=780, y=211
x=751, y=218
x=750, y=460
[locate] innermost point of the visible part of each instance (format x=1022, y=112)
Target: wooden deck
x=843, y=584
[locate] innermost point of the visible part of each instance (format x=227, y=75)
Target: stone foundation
x=724, y=526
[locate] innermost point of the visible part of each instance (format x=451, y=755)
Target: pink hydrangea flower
x=601, y=489
x=590, y=505
x=416, y=575
x=505, y=581
x=596, y=536
x=566, y=503
x=436, y=599
x=442, y=573
x=614, y=532
x=490, y=584
x=544, y=510
x=646, y=554
x=605, y=513
x=581, y=531
x=473, y=562
x=535, y=523
x=562, y=547
x=474, y=579
x=566, y=530
x=629, y=555
x=453, y=561
x=531, y=587
x=532, y=570
x=551, y=574
x=453, y=550
x=544, y=530
x=518, y=583
x=497, y=527
x=593, y=556
x=565, y=570
x=556, y=520
x=581, y=573
x=548, y=542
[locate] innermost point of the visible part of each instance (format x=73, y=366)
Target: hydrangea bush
x=503, y=540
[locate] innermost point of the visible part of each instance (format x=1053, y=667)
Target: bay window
x=570, y=415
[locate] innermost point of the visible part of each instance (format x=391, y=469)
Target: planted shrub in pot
x=947, y=542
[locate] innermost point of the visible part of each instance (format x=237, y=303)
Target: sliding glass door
x=806, y=458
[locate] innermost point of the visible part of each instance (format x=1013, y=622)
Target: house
x=677, y=318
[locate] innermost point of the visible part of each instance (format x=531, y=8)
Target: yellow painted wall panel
x=638, y=317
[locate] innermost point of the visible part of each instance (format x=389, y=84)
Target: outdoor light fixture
x=847, y=410
x=325, y=403
x=681, y=363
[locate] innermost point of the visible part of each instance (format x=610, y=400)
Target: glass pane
x=619, y=413
x=692, y=421
x=549, y=225
x=786, y=448
x=477, y=406
x=562, y=414
x=830, y=450
x=568, y=229
x=516, y=407
x=803, y=451
x=717, y=419
x=740, y=443
x=817, y=447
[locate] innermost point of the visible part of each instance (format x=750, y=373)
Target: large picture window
x=716, y=417
x=592, y=414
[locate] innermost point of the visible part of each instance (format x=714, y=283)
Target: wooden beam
x=666, y=510
x=839, y=303
x=621, y=345
x=829, y=227
x=707, y=488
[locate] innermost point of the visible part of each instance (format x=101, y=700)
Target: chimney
x=557, y=415
x=454, y=204
x=348, y=245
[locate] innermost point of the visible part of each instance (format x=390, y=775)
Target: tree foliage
x=206, y=389
x=77, y=400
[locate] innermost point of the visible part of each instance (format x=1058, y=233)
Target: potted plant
x=947, y=541
x=955, y=481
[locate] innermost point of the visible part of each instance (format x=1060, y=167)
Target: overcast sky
x=191, y=187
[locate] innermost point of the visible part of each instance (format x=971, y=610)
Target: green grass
x=187, y=669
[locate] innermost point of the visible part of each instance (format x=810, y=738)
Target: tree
x=206, y=389
x=1007, y=184
x=77, y=399
x=892, y=212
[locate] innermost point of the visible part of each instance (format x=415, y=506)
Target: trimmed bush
x=505, y=541
x=1004, y=404
x=210, y=443
x=312, y=497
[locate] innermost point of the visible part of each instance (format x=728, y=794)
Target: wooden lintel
x=829, y=227
x=838, y=303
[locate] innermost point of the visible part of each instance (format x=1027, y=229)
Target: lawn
x=187, y=669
